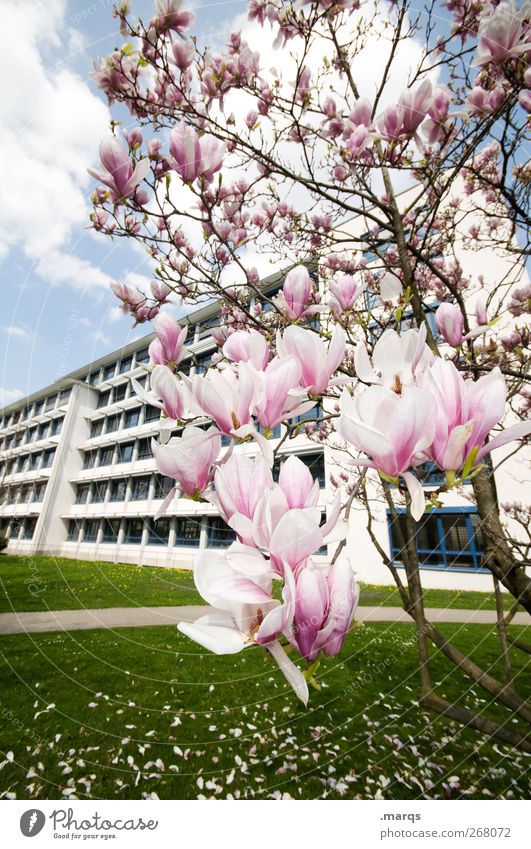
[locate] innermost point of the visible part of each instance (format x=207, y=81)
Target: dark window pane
x=134, y=529
x=106, y=455
x=91, y=530
x=219, y=534
x=113, y=423
x=151, y=414
x=29, y=527
x=99, y=488
x=131, y=418
x=111, y=528
x=142, y=356
x=82, y=492
x=119, y=392
x=118, y=490
x=163, y=485
x=140, y=489
x=89, y=460
x=124, y=452
x=188, y=531
x=96, y=428
x=109, y=371
x=144, y=449
x=158, y=531
x=73, y=530
x=125, y=365
x=104, y=399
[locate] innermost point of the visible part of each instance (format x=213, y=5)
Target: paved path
x=131, y=617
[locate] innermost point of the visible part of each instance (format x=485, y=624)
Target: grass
x=47, y=583
x=143, y=711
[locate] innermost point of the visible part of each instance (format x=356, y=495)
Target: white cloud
x=7, y=396
x=51, y=124
x=57, y=267
x=99, y=336
x=14, y=330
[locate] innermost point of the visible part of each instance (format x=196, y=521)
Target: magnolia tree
x=411, y=120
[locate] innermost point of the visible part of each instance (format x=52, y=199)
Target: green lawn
x=46, y=583
x=143, y=711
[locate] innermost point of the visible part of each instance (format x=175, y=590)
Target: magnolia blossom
x=168, y=348
x=344, y=293
x=168, y=393
x=189, y=459
x=119, y=175
x=239, y=485
x=169, y=15
x=396, y=360
x=467, y=410
x=318, y=363
x=293, y=302
x=194, y=156
x=247, y=346
x=450, y=324
x=391, y=429
x=325, y=604
x=278, y=395
x=239, y=585
x=503, y=34
x=390, y=288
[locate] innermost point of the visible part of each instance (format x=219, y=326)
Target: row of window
x=124, y=420
x=18, y=528
x=181, y=531
x=141, y=488
x=122, y=366
x=24, y=494
x=32, y=434
x=121, y=392
x=122, y=452
x=43, y=405
x=29, y=462
x=446, y=538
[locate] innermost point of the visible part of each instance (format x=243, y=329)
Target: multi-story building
x=78, y=479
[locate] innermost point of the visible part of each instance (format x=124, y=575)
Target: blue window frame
x=446, y=538
x=219, y=534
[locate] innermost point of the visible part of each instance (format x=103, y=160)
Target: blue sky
x=57, y=311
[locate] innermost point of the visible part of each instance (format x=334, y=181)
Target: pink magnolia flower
x=325, y=604
x=168, y=393
x=277, y=393
x=183, y=54
x=318, y=363
x=226, y=397
x=503, y=35
x=296, y=290
x=481, y=311
x=345, y=293
x=450, y=324
x=239, y=585
x=396, y=360
x=194, y=156
x=391, y=429
x=189, y=459
x=118, y=173
x=169, y=15
x=247, y=346
x=168, y=348
x=467, y=411
x=239, y=485
x=390, y=288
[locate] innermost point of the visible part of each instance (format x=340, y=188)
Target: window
x=203, y=362
x=82, y=491
x=140, y=489
x=35, y=462
x=142, y=356
x=48, y=458
x=90, y=530
x=219, y=534
x=56, y=427
x=99, y=489
x=144, y=449
x=446, y=538
x=43, y=430
x=25, y=494
x=131, y=418
x=104, y=399
x=64, y=395
x=50, y=403
x=18, y=438
x=118, y=490
x=163, y=486
x=113, y=423
x=94, y=378
x=109, y=371
x=134, y=528
x=38, y=408
x=29, y=527
x=96, y=428
x=14, y=530
x=73, y=530
x=151, y=414
x=126, y=365
x=158, y=531
x=125, y=452
x=38, y=493
x=89, y=460
x=106, y=455
x=111, y=529
x=32, y=435
x=315, y=412
x=188, y=532
x=429, y=474
x=119, y=392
